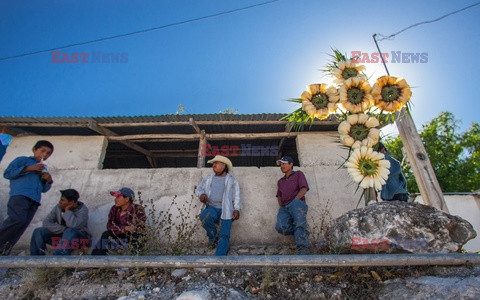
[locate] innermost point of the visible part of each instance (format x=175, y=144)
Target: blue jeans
x=292, y=220
x=210, y=217
x=20, y=212
x=41, y=236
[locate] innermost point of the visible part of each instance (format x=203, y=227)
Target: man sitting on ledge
x=126, y=223
x=65, y=227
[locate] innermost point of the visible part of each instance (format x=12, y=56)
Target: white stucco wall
x=76, y=163
x=468, y=208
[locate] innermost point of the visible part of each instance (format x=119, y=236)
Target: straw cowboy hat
x=222, y=159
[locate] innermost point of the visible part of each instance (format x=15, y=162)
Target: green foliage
x=229, y=111
x=180, y=110
x=455, y=156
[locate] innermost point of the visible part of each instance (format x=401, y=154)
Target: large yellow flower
x=359, y=130
x=368, y=168
x=391, y=93
x=355, y=95
x=319, y=100
x=347, y=69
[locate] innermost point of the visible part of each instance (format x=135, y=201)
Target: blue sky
x=251, y=60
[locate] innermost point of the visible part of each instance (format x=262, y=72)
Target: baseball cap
x=125, y=192
x=70, y=194
x=284, y=159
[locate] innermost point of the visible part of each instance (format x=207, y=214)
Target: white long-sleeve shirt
x=231, y=195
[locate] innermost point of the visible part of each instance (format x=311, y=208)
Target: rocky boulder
x=398, y=227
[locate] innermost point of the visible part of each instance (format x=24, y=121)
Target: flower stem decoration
x=359, y=130
x=356, y=105
x=391, y=93
x=368, y=168
x=319, y=100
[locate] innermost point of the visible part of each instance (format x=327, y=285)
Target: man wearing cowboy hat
x=220, y=192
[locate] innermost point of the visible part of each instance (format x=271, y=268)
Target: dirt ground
x=258, y=283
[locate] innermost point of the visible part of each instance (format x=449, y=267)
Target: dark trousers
x=65, y=243
x=399, y=197
x=110, y=241
x=20, y=211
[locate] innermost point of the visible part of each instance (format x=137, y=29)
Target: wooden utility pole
x=417, y=155
x=422, y=168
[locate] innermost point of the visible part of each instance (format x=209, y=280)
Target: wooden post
x=417, y=155
x=201, y=146
x=422, y=168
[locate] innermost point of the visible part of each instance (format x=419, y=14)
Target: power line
x=140, y=31
x=425, y=22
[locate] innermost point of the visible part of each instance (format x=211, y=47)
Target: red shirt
x=288, y=188
x=135, y=215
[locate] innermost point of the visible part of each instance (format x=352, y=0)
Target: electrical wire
x=139, y=31
x=382, y=37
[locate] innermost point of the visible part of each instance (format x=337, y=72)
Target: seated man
x=292, y=214
x=396, y=186
x=221, y=194
x=65, y=227
x=126, y=223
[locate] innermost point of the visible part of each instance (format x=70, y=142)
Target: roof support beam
x=107, y=132
x=209, y=136
x=288, y=128
x=201, y=150
x=194, y=125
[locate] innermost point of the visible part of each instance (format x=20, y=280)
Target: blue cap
x=285, y=159
x=125, y=192
x=5, y=139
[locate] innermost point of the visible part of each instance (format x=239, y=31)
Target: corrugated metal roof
x=127, y=125
x=166, y=152
x=151, y=118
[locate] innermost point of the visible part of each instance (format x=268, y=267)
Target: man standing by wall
x=292, y=214
x=221, y=194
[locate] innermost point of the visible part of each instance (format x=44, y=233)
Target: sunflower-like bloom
x=391, y=93
x=347, y=69
x=359, y=130
x=355, y=95
x=319, y=100
x=368, y=168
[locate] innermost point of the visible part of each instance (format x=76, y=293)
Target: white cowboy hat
x=222, y=159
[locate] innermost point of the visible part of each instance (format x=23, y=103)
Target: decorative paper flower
x=355, y=95
x=347, y=69
x=391, y=93
x=359, y=130
x=319, y=100
x=368, y=168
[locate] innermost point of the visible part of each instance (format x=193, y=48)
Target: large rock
x=398, y=227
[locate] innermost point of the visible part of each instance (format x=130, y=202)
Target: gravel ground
x=268, y=283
